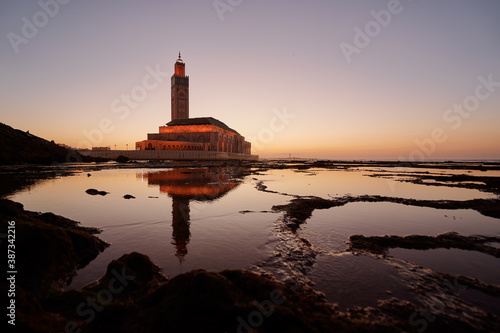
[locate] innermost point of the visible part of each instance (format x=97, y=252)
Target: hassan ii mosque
x=184, y=133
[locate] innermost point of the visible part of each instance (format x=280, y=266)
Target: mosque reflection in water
x=191, y=184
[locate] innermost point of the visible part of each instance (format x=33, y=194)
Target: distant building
x=184, y=133
x=101, y=148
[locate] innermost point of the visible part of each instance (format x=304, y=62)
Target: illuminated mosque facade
x=184, y=133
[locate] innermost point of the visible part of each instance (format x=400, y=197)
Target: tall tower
x=180, y=91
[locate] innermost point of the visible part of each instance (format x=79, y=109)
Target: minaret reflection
x=180, y=225
x=187, y=184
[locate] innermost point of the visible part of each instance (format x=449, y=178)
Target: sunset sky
x=323, y=78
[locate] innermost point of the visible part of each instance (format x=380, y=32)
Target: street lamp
x=127, y=146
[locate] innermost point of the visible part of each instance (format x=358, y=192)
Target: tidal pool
x=219, y=218
x=350, y=280
x=183, y=219
x=329, y=229
x=337, y=183
x=478, y=265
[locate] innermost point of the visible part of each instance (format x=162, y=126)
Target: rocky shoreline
x=134, y=296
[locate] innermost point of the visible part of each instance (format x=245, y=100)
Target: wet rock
x=49, y=249
x=380, y=244
x=298, y=210
x=482, y=183
x=261, y=187
x=133, y=296
x=138, y=275
x=93, y=191
x=122, y=159
x=143, y=300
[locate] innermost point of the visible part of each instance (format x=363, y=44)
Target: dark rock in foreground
x=133, y=296
x=128, y=196
x=48, y=248
x=198, y=301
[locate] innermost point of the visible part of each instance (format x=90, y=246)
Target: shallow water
x=455, y=261
x=182, y=220
x=192, y=218
x=337, y=183
x=329, y=229
x=350, y=280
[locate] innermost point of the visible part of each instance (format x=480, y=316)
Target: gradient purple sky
x=263, y=58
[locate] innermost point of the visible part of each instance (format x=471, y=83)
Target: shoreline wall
x=168, y=155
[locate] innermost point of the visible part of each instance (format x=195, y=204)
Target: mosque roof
x=201, y=121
